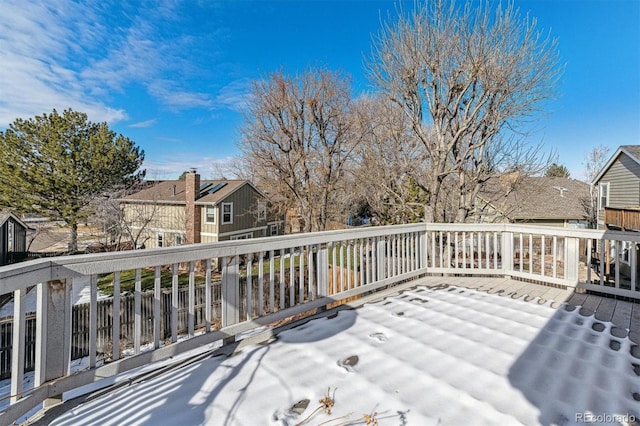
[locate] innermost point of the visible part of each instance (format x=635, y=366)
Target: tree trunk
x=73, y=238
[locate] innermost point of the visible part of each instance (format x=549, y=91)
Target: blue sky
x=173, y=75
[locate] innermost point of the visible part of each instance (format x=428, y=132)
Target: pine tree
x=56, y=164
x=557, y=170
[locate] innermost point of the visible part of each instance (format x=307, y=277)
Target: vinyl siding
x=624, y=183
x=210, y=228
x=245, y=210
x=163, y=218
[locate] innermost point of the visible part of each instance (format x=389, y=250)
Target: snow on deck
x=450, y=356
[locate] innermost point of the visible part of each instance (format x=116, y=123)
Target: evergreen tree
x=56, y=164
x=557, y=170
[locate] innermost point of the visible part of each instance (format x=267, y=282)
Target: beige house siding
x=206, y=227
x=153, y=219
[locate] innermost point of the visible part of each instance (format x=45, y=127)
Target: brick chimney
x=192, y=190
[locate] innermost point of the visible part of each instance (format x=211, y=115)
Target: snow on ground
x=445, y=356
x=80, y=293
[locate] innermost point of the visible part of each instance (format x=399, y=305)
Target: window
x=179, y=239
x=262, y=210
x=209, y=214
x=241, y=237
x=10, y=237
x=160, y=240
x=227, y=213
x=274, y=229
x=603, y=195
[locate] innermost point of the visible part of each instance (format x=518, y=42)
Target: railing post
x=322, y=254
x=507, y=253
x=57, y=334
x=17, y=344
x=380, y=258
x=230, y=293
x=572, y=259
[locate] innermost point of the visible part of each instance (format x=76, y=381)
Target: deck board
x=624, y=315
x=577, y=299
x=606, y=309
x=590, y=305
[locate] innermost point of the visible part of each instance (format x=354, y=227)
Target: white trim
x=262, y=210
x=14, y=217
x=246, y=236
x=240, y=231
x=271, y=228
x=173, y=231
x=600, y=185
x=209, y=234
x=222, y=214
x=160, y=236
x=213, y=207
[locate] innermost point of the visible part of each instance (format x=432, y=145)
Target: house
x=618, y=205
x=533, y=200
x=175, y=212
x=13, y=238
x=618, y=189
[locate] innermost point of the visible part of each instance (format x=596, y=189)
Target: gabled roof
x=173, y=191
x=537, y=198
x=5, y=215
x=633, y=151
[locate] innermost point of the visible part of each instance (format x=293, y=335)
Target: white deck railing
x=269, y=279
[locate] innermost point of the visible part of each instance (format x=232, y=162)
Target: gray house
x=618, y=204
x=13, y=238
x=618, y=189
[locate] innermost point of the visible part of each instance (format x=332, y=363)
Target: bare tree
x=298, y=136
x=391, y=163
x=468, y=79
x=593, y=163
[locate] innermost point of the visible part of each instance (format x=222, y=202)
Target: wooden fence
x=80, y=324
x=80, y=318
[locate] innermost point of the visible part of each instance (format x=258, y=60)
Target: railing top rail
x=22, y=275
x=16, y=276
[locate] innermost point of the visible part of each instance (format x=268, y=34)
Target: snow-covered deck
x=442, y=350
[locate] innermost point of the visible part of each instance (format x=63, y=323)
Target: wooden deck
x=624, y=315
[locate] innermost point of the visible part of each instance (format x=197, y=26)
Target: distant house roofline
x=172, y=192
x=626, y=149
x=5, y=215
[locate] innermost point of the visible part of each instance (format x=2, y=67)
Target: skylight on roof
x=216, y=188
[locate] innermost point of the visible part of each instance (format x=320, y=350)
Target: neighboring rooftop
x=173, y=191
x=537, y=198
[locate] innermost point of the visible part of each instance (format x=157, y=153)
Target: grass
x=147, y=278
x=147, y=275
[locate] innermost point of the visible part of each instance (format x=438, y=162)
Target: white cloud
x=38, y=45
x=177, y=99
x=144, y=124
x=171, y=166
x=63, y=54
x=234, y=95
